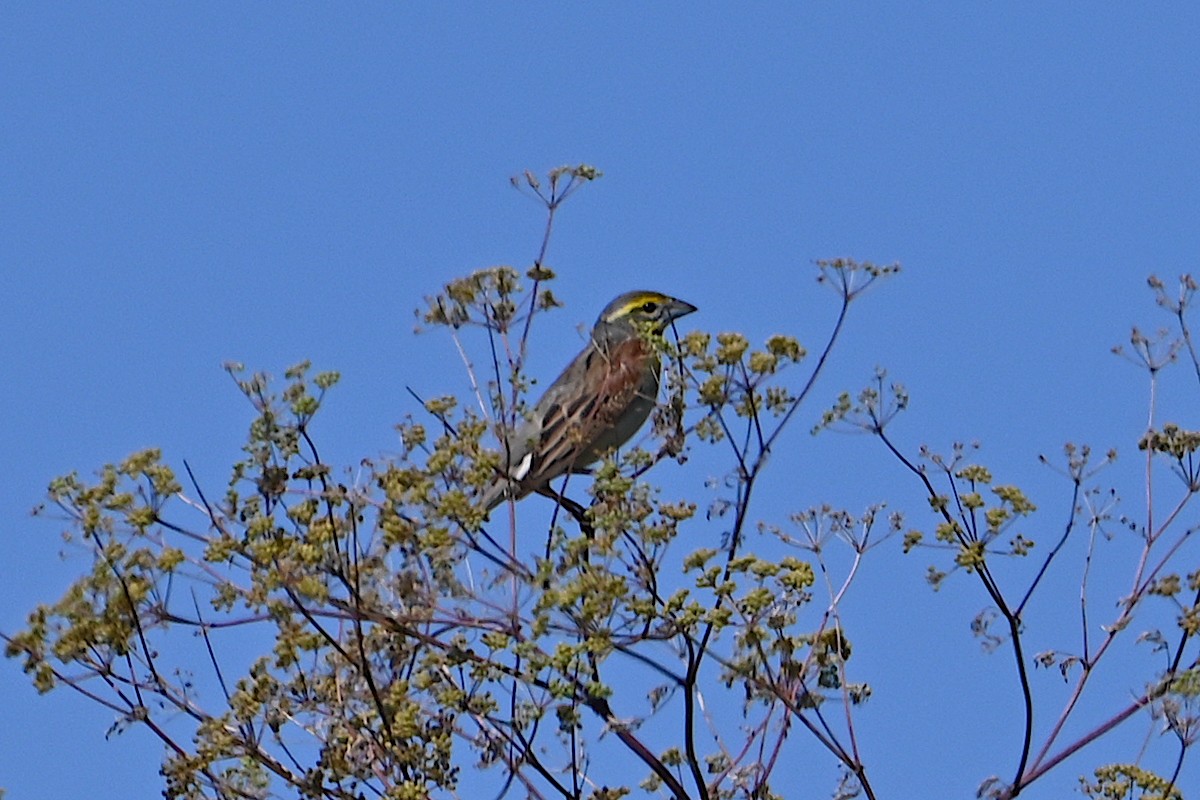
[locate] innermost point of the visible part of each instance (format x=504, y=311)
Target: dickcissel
x=599, y=401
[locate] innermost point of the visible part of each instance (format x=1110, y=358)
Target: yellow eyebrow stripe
x=634, y=303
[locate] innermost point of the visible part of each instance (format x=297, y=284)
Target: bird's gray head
x=652, y=311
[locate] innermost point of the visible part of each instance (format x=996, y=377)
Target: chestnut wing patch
x=569, y=427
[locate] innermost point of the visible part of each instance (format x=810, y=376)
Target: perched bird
x=599, y=401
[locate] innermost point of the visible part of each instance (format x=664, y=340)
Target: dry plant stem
x=853, y=759
x=212, y=656
x=574, y=740
x=857, y=768
x=786, y=690
x=507, y=559
x=1135, y=597
x=506, y=418
x=529, y=755
x=835, y=334
x=1150, y=464
x=131, y=710
x=598, y=705
x=1028, y=769
x=756, y=736
x=1037, y=579
x=1183, y=748
x=1085, y=627
x=1173, y=670
x=993, y=591
x=352, y=584
x=1141, y=585
x=770, y=761
x=1186, y=331
x=847, y=705
x=749, y=470
x=552, y=202
x=470, y=370
x=1100, y=730
x=551, y=208
x=493, y=327
x=361, y=663
x=832, y=613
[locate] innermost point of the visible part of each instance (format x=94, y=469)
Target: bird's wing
x=572, y=421
x=576, y=415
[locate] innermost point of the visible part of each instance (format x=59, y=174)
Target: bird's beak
x=680, y=308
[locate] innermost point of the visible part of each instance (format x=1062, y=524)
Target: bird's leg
x=578, y=513
x=576, y=510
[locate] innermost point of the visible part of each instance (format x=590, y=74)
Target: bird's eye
x=649, y=306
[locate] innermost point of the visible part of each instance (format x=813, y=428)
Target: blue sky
x=182, y=185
